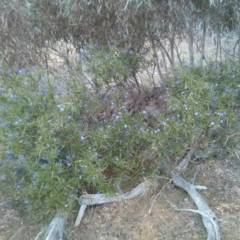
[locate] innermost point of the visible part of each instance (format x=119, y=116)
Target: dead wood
x=94, y=199
x=208, y=217
x=182, y=166
x=55, y=229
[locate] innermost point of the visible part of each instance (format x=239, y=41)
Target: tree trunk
x=239, y=42
x=172, y=44
x=203, y=43
x=157, y=61
x=190, y=43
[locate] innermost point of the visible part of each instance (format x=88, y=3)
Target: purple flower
x=21, y=157
x=9, y=206
x=83, y=137
x=14, y=95
x=43, y=79
x=4, y=177
x=21, y=70
x=157, y=130
x=44, y=92
x=208, y=113
x=17, y=185
x=214, y=98
x=118, y=187
x=34, y=174
x=8, y=156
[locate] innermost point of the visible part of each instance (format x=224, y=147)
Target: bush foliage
x=54, y=148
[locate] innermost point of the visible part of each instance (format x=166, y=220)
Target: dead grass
x=153, y=216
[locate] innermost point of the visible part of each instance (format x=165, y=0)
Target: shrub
x=53, y=149
x=51, y=153
x=108, y=66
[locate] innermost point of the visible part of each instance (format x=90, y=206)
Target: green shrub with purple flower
x=205, y=104
x=54, y=148
x=110, y=65
x=50, y=153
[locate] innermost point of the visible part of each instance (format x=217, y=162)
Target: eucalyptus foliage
x=31, y=28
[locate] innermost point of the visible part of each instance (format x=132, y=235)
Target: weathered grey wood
x=208, y=217
x=55, y=229
x=40, y=235
x=94, y=199
x=80, y=215
x=182, y=166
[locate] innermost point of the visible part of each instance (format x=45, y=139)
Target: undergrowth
x=55, y=148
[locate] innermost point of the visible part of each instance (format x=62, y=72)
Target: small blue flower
x=9, y=206
x=68, y=164
x=21, y=157
x=43, y=80
x=14, y=95
x=44, y=92
x=17, y=185
x=96, y=44
x=34, y=174
x=21, y=70
x=83, y=137
x=208, y=113
x=60, y=107
x=8, y=156
x=25, y=202
x=157, y=130
x=118, y=187
x=4, y=177
x=214, y=98
x=71, y=195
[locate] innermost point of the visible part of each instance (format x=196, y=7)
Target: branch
x=94, y=199
x=208, y=217
x=55, y=229
x=184, y=163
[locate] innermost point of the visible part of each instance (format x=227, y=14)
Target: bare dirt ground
x=151, y=217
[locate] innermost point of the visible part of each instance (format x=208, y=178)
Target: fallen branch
x=94, y=199
x=208, y=217
x=184, y=163
x=55, y=229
